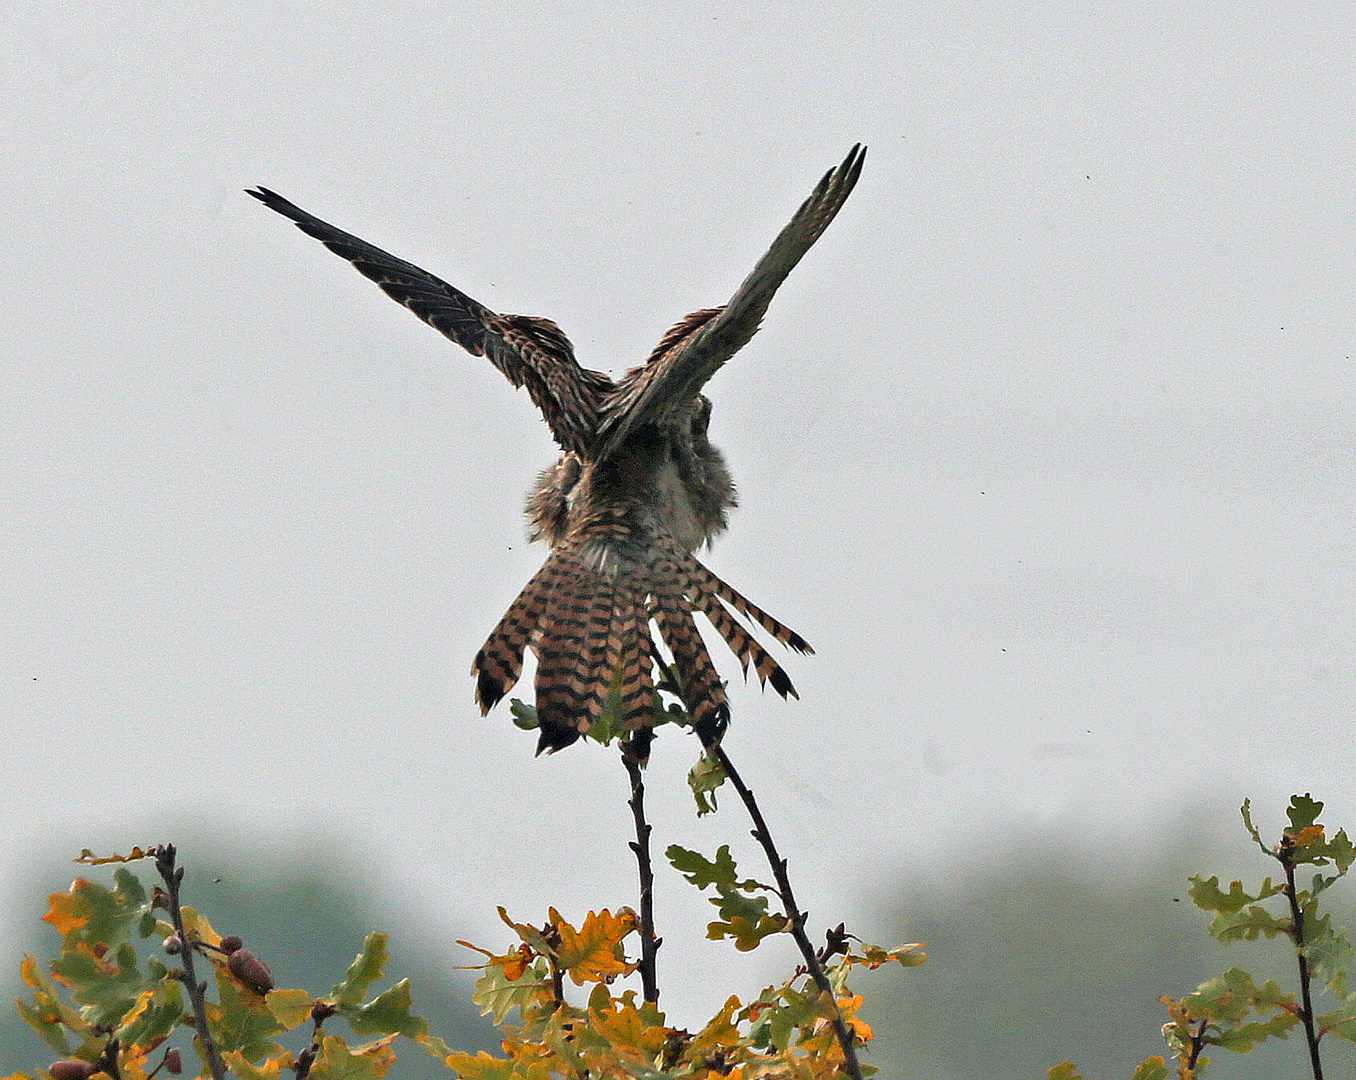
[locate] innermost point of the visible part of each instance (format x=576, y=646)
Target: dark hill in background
x=1055, y=949
x=1061, y=949
x=301, y=920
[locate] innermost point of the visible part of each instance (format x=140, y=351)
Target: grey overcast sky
x=1047, y=446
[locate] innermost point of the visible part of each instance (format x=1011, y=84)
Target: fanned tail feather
x=590, y=631
x=628, y=656
x=784, y=634
x=701, y=688
x=741, y=642
x=500, y=660
x=571, y=656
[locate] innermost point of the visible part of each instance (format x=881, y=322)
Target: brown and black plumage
x=637, y=489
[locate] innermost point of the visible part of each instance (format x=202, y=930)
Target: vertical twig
x=794, y=915
x=108, y=1060
x=632, y=750
x=164, y=863
x=1197, y=1045
x=1287, y=850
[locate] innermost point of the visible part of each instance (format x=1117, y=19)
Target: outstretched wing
x=693, y=350
x=532, y=352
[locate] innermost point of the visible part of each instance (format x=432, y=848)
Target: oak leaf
x=593, y=953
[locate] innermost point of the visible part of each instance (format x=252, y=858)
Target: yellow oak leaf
x=593, y=953
x=64, y=910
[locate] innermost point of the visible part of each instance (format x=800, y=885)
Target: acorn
x=174, y=1062
x=71, y=1069
x=251, y=971
x=230, y=943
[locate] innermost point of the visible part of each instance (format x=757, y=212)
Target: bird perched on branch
x=636, y=490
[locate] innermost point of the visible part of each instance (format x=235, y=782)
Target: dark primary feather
x=530, y=351
x=705, y=340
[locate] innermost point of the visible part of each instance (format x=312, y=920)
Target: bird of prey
x=636, y=490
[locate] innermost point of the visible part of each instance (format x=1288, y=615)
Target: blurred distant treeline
x=1047, y=952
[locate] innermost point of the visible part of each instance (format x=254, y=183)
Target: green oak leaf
x=523, y=715
x=1303, y=811
x=157, y=1012
x=705, y=778
x=242, y=1022
x=291, y=1008
x=339, y=1061
x=363, y=972
x=497, y=995
x=701, y=871
x=49, y=1028
x=732, y=905
x=387, y=1013
x=105, y=988
x=1206, y=894
x=1246, y=811
x=747, y=933
x=1256, y=921
x=1340, y=1021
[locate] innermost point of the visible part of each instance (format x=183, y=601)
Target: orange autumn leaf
x=593, y=953
x=514, y=963
x=848, y=1007
x=66, y=911
x=28, y=971
x=1310, y=834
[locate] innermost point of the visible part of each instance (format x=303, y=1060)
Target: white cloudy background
x=1046, y=446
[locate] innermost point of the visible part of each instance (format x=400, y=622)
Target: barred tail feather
x=701, y=688
x=741, y=642
x=571, y=659
x=500, y=660
x=788, y=637
x=629, y=656
x=590, y=631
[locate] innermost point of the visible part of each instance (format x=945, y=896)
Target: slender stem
x=1197, y=1045
x=164, y=863
x=108, y=1060
x=1297, y=919
x=795, y=917
x=557, y=977
x=649, y=944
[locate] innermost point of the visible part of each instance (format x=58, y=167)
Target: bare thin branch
x=632, y=752
x=794, y=915
x=172, y=876
x=1311, y=1034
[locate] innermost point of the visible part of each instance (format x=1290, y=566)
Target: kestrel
x=636, y=490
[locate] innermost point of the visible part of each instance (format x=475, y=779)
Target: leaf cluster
x=1235, y=1011
x=785, y=1032
x=119, y=999
x=114, y=999
x=743, y=918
